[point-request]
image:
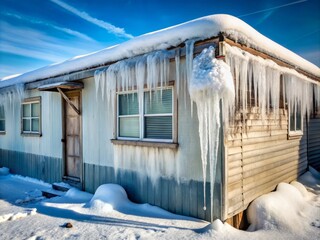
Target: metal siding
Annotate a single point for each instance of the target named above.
(314, 143)
(259, 157)
(26, 164)
(182, 198)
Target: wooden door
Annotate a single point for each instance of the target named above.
(72, 137)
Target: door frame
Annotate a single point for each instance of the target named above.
(65, 177)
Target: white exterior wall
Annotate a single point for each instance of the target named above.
(49, 144)
(98, 126)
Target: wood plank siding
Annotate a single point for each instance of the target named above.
(314, 143)
(259, 156)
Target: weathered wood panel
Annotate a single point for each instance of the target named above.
(48, 169)
(259, 156)
(314, 143)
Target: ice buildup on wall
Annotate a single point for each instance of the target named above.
(263, 77)
(211, 82)
(156, 162)
(14, 94)
(147, 71)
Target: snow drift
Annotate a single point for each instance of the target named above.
(291, 208)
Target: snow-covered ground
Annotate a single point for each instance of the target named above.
(291, 212)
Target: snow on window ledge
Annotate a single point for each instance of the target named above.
(295, 135)
(145, 143)
(31, 134)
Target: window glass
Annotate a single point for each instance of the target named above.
(128, 104)
(1, 112)
(26, 125)
(26, 110)
(155, 117)
(2, 119)
(158, 102)
(292, 121)
(129, 127)
(2, 126)
(35, 125)
(31, 116)
(298, 121)
(35, 109)
(295, 119)
(158, 127)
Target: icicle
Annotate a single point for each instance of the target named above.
(102, 85)
(298, 94)
(177, 61)
(264, 77)
(189, 57)
(97, 77)
(211, 82)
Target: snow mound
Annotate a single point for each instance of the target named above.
(282, 209)
(4, 171)
(109, 197)
(217, 225)
(112, 197)
(76, 194)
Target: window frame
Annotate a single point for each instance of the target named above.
(2, 132)
(30, 101)
(294, 133)
(142, 116)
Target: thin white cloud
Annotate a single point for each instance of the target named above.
(105, 25)
(36, 21)
(273, 8)
(31, 43)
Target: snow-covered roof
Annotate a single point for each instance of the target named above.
(200, 29)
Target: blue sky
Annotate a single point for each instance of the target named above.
(36, 33)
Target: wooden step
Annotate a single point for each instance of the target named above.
(61, 187)
(72, 181)
(50, 193)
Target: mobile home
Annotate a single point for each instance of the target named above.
(199, 119)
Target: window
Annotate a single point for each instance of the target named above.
(295, 120)
(31, 116)
(151, 120)
(2, 120)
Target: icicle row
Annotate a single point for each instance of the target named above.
(263, 77)
(151, 70)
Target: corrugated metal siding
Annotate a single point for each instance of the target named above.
(182, 198)
(259, 157)
(41, 167)
(314, 143)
